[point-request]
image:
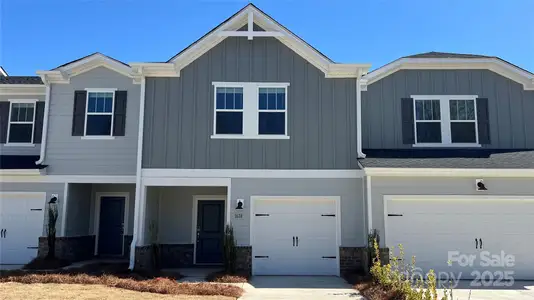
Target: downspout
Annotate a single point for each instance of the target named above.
(359, 115)
(138, 182)
(45, 126)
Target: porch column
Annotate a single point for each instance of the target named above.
(64, 203)
(228, 203)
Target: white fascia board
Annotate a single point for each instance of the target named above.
(246, 173)
(331, 70)
(447, 172)
(155, 69)
(493, 64)
(22, 89)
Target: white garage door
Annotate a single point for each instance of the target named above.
(21, 224)
(295, 236)
(435, 230)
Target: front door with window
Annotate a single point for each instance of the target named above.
(210, 232)
(111, 229)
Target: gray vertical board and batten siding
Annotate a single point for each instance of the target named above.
(34, 149)
(321, 113)
(72, 155)
(510, 107)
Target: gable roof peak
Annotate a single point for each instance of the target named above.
(436, 54)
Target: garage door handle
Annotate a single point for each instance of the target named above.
(261, 256)
(480, 241)
(2, 233)
(476, 243)
(293, 241)
(297, 241)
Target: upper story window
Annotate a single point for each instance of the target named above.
(445, 120)
(250, 110)
(99, 113)
(21, 122)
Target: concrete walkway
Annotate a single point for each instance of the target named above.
(298, 287)
(521, 290)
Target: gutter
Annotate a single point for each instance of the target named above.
(359, 115)
(138, 180)
(45, 126)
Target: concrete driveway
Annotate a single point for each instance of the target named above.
(521, 290)
(299, 287)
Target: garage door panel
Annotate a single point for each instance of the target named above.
(22, 217)
(275, 249)
(430, 229)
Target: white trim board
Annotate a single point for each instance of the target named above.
(492, 64)
(96, 227)
(249, 173)
(337, 200)
(448, 172)
(31, 176)
(194, 221)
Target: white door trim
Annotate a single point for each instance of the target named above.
(337, 200)
(98, 200)
(196, 199)
(451, 198)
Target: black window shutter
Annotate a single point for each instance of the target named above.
(38, 126)
(4, 121)
(483, 121)
(119, 114)
(408, 135)
(78, 115)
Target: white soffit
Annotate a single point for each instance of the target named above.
(248, 16)
(493, 64)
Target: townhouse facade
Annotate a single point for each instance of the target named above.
(253, 127)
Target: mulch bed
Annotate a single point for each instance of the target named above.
(370, 289)
(43, 263)
(223, 277)
(118, 276)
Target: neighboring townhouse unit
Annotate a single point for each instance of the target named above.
(253, 127)
(449, 140)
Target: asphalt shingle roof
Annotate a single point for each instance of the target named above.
(449, 158)
(434, 54)
(20, 80)
(20, 162)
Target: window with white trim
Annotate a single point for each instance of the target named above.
(21, 122)
(99, 113)
(250, 110)
(445, 120)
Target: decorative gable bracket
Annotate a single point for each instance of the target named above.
(250, 33)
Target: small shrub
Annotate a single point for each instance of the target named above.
(230, 251)
(398, 278)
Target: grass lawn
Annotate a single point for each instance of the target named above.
(38, 291)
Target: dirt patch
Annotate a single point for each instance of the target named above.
(222, 277)
(370, 289)
(19, 291)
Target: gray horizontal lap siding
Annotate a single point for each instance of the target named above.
(382, 186)
(26, 150)
(71, 155)
(510, 107)
(321, 113)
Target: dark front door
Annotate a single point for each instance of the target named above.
(111, 229)
(210, 231)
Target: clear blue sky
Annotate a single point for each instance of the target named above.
(42, 34)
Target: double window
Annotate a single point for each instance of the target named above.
(21, 122)
(250, 110)
(99, 113)
(447, 120)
